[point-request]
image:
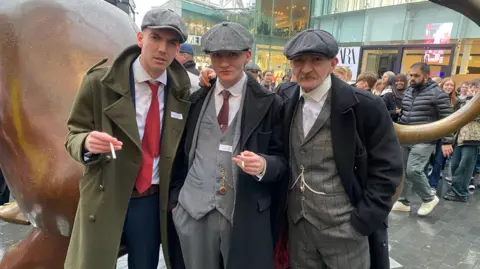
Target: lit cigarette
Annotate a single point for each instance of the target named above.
(243, 163)
(113, 151)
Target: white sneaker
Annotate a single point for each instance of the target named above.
(433, 191)
(427, 207)
(399, 206)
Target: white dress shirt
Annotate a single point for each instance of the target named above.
(235, 99)
(143, 99)
(234, 103)
(314, 101)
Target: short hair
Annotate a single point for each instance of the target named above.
(425, 68)
(266, 71)
(349, 73)
(341, 70)
(369, 77)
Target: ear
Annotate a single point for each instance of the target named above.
(140, 36)
(248, 55)
(334, 63)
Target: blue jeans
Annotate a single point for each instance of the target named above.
(477, 167)
(141, 232)
(437, 163)
(463, 163)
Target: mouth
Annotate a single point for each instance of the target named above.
(160, 60)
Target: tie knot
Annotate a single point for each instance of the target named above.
(226, 94)
(153, 87)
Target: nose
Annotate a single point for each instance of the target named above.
(307, 67)
(162, 46)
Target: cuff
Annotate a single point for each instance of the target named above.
(260, 176)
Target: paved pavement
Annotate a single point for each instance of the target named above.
(448, 239)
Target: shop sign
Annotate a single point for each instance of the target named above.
(349, 57)
(194, 40)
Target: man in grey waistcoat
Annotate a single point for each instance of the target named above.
(345, 162)
(232, 157)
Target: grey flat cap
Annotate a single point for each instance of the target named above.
(227, 36)
(159, 18)
(311, 41)
(253, 67)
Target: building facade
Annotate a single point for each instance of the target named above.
(374, 35)
(393, 34)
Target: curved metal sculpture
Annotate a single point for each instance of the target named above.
(46, 47)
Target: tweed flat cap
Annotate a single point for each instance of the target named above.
(160, 18)
(227, 36)
(311, 41)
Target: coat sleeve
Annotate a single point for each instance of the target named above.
(179, 173)
(384, 169)
(81, 122)
(389, 100)
(444, 109)
(275, 159)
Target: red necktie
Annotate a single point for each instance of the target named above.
(223, 114)
(150, 142)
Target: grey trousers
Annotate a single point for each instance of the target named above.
(205, 243)
(339, 247)
(415, 158)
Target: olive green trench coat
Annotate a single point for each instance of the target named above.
(104, 103)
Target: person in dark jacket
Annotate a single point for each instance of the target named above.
(393, 99)
(231, 158)
(424, 102)
(185, 57)
(337, 126)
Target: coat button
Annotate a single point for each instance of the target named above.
(303, 151)
(101, 187)
(355, 167)
(108, 158)
(91, 218)
(303, 198)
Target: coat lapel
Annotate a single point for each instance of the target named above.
(121, 110)
(343, 130)
(256, 104)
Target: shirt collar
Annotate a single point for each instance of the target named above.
(141, 75)
(319, 92)
(235, 90)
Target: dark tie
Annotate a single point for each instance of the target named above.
(150, 142)
(223, 114)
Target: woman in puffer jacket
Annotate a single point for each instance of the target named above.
(466, 150)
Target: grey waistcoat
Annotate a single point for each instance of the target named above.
(315, 155)
(199, 194)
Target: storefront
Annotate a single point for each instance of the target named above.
(393, 37)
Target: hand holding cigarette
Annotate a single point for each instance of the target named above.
(250, 163)
(99, 142)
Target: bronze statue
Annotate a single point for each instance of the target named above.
(46, 47)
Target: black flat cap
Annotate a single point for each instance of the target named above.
(160, 18)
(227, 36)
(311, 41)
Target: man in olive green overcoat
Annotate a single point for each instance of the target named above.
(123, 196)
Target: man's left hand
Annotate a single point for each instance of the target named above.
(250, 163)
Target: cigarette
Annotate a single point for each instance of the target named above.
(243, 163)
(113, 151)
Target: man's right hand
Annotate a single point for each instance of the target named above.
(98, 142)
(205, 76)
